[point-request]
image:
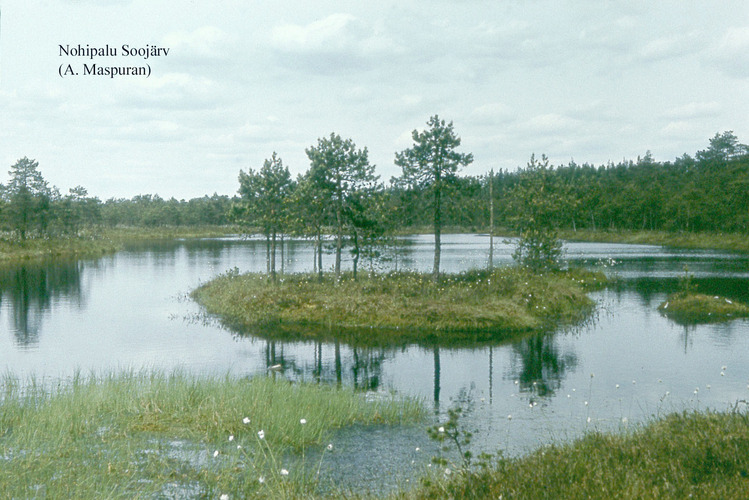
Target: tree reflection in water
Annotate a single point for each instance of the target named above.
(364, 365)
(29, 291)
(538, 365)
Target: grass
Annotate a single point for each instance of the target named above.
(689, 455)
(97, 242)
(152, 435)
(691, 307)
(718, 241)
(37, 249)
(398, 307)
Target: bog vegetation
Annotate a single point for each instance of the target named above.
(688, 455)
(402, 307)
(157, 435)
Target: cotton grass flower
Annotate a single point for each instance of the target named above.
(215, 454)
(231, 438)
(224, 497)
(303, 421)
(246, 420)
(261, 434)
(284, 472)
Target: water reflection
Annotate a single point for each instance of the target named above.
(28, 291)
(539, 366)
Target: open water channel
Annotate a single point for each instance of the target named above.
(625, 366)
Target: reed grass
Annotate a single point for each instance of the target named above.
(155, 435)
(403, 306)
(688, 455)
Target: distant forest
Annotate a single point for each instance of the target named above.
(707, 192)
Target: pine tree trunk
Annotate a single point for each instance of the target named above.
(437, 230)
(319, 254)
(338, 244)
(491, 219)
(267, 254)
(356, 253)
(273, 256)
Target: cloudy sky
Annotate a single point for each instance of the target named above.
(594, 81)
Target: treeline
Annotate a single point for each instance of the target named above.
(31, 208)
(151, 211)
(707, 192)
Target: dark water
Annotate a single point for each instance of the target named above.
(130, 311)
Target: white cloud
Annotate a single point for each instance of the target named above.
(404, 140)
(550, 124)
(332, 33)
(492, 113)
(207, 42)
(670, 47)
(152, 131)
(173, 91)
(678, 128)
(337, 42)
(694, 110)
(731, 54)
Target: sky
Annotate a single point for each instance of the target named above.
(590, 81)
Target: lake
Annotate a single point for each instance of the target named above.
(626, 365)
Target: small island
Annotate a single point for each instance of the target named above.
(398, 307)
(690, 308)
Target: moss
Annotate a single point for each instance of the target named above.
(689, 308)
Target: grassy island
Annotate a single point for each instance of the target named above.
(690, 455)
(403, 306)
(690, 307)
(732, 242)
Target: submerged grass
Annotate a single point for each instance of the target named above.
(690, 308)
(689, 455)
(151, 435)
(403, 306)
